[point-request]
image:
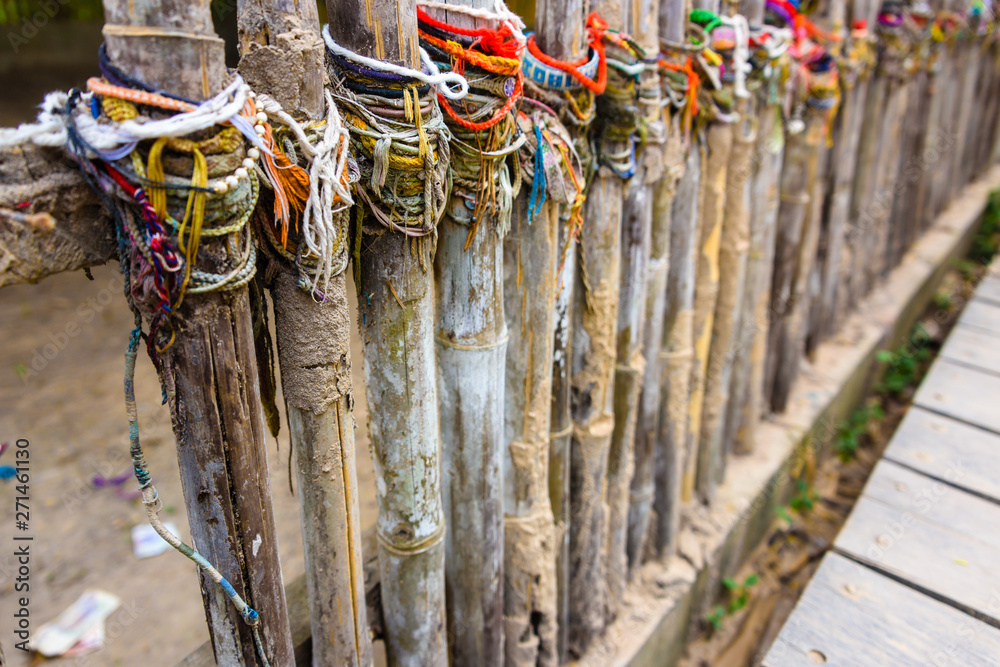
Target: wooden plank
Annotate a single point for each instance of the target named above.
(972, 347)
(989, 289)
(981, 315)
(961, 392)
(934, 536)
(946, 449)
(852, 615)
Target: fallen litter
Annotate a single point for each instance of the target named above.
(146, 543)
(79, 629)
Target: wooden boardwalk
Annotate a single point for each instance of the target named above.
(914, 575)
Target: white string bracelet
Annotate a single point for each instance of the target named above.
(443, 82)
(741, 52)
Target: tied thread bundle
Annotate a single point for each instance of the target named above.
(619, 117)
(399, 137)
(484, 130)
(317, 204)
(154, 158)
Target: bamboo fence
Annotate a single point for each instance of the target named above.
(588, 261)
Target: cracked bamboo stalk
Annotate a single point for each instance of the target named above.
(674, 464)
(314, 351)
(551, 17)
(211, 370)
(671, 24)
(637, 221)
(764, 205)
(396, 303)
(471, 336)
(843, 162)
(530, 611)
(595, 313)
(733, 255)
(746, 327)
(795, 249)
(718, 144)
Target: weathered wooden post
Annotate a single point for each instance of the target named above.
(855, 69)
(313, 336)
(733, 246)
(764, 204)
(672, 21)
(396, 301)
(815, 96)
(471, 333)
(595, 313)
(637, 222)
(214, 401)
(747, 328)
(210, 372)
(532, 257)
(718, 144)
(675, 458)
(575, 110)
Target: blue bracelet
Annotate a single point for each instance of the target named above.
(545, 75)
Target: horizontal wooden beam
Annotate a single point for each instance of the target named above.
(50, 219)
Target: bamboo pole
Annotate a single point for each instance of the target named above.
(672, 22)
(595, 313)
(843, 163)
(795, 248)
(471, 336)
(396, 303)
(637, 221)
(765, 203)
(649, 428)
(530, 613)
(551, 17)
(210, 372)
(674, 459)
(747, 328)
(718, 145)
(314, 352)
(733, 256)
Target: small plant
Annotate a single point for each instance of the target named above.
(849, 432)
(942, 300)
(805, 497)
(904, 364)
(739, 596)
(739, 592)
(715, 616)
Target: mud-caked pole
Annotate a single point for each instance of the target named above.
(733, 247)
(575, 107)
(672, 21)
(718, 142)
(547, 208)
(394, 250)
(207, 361)
(210, 371)
(313, 336)
(595, 314)
(637, 224)
(471, 332)
(746, 387)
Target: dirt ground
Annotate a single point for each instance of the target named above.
(61, 369)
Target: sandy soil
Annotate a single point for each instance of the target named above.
(61, 366)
